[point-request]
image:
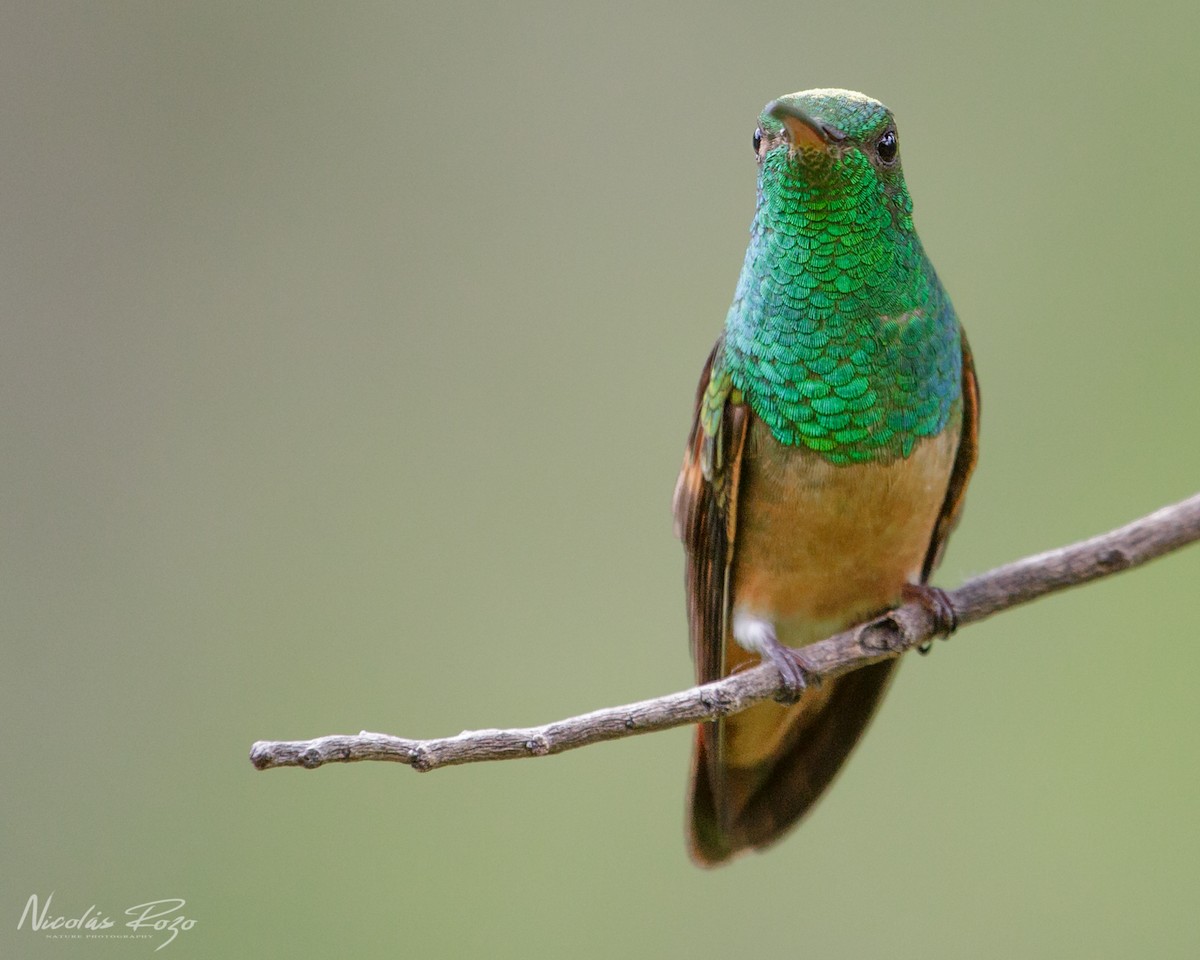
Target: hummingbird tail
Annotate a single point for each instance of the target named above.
(740, 806)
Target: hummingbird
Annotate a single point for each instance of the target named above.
(834, 433)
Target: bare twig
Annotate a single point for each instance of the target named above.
(889, 636)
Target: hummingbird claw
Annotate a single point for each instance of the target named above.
(758, 635)
(797, 673)
(939, 606)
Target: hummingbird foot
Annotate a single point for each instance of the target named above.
(938, 605)
(798, 674)
(759, 637)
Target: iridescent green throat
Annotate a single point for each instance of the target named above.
(840, 336)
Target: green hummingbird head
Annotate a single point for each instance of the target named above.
(829, 148)
(839, 336)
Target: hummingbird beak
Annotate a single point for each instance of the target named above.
(804, 130)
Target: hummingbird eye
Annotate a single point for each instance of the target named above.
(886, 146)
(757, 140)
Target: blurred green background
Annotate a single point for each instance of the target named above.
(348, 353)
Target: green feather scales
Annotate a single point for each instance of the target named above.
(840, 336)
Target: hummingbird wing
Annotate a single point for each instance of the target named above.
(964, 463)
(705, 508)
